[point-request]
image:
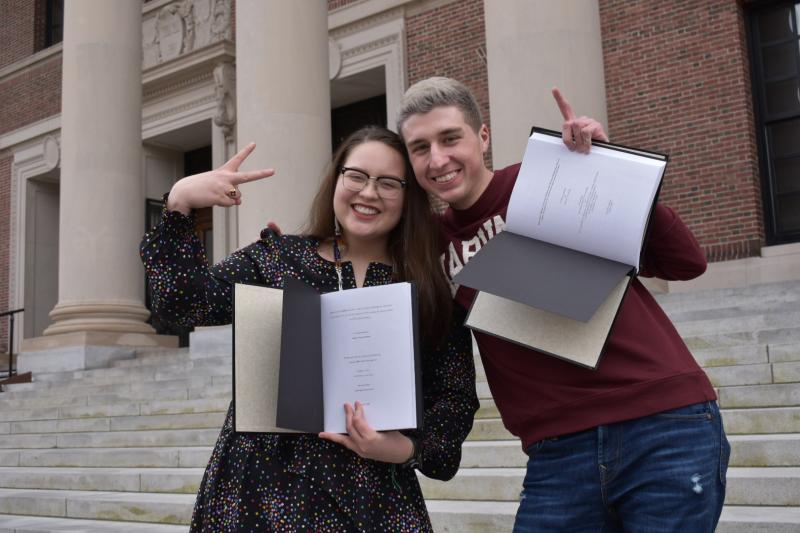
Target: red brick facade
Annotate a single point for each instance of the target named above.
(18, 32)
(32, 95)
(678, 81)
(451, 41)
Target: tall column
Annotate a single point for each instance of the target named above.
(100, 278)
(283, 103)
(532, 45)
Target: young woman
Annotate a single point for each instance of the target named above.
(370, 224)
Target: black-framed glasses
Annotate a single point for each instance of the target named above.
(355, 180)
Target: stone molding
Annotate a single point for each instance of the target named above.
(37, 158)
(225, 97)
(376, 42)
(180, 27)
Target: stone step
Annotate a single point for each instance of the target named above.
(738, 421)
(450, 516)
(179, 355)
(112, 439)
(119, 506)
(744, 354)
(786, 372)
(726, 376)
(503, 484)
(747, 519)
(765, 450)
(790, 335)
(121, 423)
(482, 429)
(159, 457)
(118, 409)
(493, 454)
(774, 395)
(743, 297)
(136, 389)
(758, 421)
(745, 486)
(763, 486)
(775, 319)
(754, 308)
(37, 524)
(746, 450)
(781, 353)
(114, 376)
(754, 374)
(168, 480)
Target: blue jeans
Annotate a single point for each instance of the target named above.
(660, 473)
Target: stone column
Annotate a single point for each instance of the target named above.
(101, 286)
(532, 45)
(283, 103)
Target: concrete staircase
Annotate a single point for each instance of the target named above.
(123, 448)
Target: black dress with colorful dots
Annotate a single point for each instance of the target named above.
(301, 483)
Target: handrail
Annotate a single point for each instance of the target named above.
(10, 315)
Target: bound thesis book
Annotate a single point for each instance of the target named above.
(555, 278)
(298, 356)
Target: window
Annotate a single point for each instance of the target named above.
(49, 16)
(775, 53)
(53, 22)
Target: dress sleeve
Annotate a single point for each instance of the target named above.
(671, 251)
(450, 402)
(185, 290)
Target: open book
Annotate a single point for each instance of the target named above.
(298, 356)
(555, 278)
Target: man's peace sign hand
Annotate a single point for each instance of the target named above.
(577, 132)
(216, 187)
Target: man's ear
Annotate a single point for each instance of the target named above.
(483, 133)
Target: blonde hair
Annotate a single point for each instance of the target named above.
(439, 91)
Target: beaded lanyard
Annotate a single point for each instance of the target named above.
(338, 240)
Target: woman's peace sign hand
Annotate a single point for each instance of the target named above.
(215, 187)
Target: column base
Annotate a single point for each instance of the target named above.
(99, 316)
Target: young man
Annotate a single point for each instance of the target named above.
(638, 443)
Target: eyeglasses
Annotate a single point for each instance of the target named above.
(356, 180)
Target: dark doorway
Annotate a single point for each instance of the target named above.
(348, 118)
(194, 162)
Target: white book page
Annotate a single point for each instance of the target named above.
(596, 203)
(368, 355)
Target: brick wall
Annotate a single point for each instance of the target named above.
(450, 41)
(17, 30)
(678, 81)
(5, 236)
(33, 95)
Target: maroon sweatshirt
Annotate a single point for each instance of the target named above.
(646, 367)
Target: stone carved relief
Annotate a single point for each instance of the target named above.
(225, 91)
(183, 26)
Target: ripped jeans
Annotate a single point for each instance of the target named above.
(661, 473)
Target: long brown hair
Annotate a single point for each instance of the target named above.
(413, 243)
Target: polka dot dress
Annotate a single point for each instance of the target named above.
(300, 483)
